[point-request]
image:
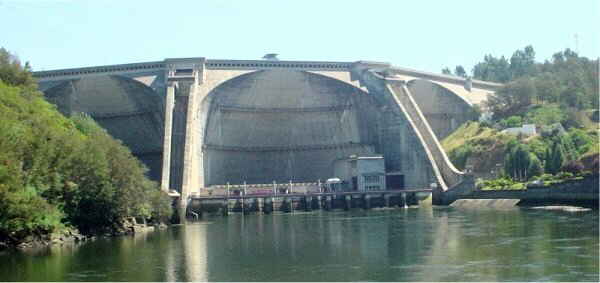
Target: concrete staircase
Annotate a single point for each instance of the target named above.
(377, 83)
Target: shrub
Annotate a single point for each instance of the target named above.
(574, 167)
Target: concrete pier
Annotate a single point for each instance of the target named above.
(225, 207)
(316, 203)
(403, 200)
(348, 202)
(328, 201)
(386, 200)
(306, 201)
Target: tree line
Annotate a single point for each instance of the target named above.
(560, 96)
(58, 172)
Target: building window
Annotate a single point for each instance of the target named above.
(372, 188)
(372, 179)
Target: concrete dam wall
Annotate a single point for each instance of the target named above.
(285, 125)
(197, 123)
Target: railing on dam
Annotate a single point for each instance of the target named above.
(272, 194)
(285, 148)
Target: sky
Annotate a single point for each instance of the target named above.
(422, 35)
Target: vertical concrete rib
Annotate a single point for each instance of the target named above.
(188, 183)
(166, 164)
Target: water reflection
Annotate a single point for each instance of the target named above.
(415, 244)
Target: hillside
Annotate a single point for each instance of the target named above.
(61, 173)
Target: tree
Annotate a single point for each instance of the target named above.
(492, 69)
(519, 161)
(446, 71)
(522, 62)
(574, 167)
(556, 159)
(512, 98)
(512, 122)
(11, 71)
(460, 71)
(546, 115)
(535, 166)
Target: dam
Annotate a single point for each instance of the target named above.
(200, 124)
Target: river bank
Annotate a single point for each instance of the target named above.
(580, 193)
(72, 235)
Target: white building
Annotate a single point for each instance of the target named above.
(527, 129)
(363, 173)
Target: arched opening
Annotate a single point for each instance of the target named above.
(282, 125)
(444, 110)
(129, 111)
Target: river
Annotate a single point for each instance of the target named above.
(412, 244)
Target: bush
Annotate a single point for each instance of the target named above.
(545, 115)
(512, 122)
(574, 167)
(460, 155)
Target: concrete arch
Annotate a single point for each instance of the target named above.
(303, 120)
(444, 109)
(216, 78)
(129, 110)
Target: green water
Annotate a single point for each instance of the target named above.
(414, 244)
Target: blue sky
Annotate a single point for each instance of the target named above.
(423, 35)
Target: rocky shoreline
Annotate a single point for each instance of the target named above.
(72, 235)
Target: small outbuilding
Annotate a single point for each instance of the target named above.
(361, 173)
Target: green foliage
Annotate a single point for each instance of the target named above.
(460, 71)
(520, 163)
(460, 155)
(568, 81)
(582, 141)
(55, 170)
(11, 71)
(502, 183)
(546, 115)
(492, 69)
(512, 122)
(513, 98)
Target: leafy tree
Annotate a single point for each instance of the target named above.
(56, 171)
(446, 71)
(519, 161)
(581, 141)
(522, 62)
(574, 167)
(12, 72)
(513, 98)
(512, 122)
(546, 115)
(460, 71)
(555, 159)
(492, 69)
(535, 166)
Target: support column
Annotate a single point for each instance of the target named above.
(258, 203)
(308, 203)
(348, 201)
(188, 185)
(266, 205)
(225, 207)
(328, 203)
(367, 200)
(166, 162)
(403, 200)
(386, 200)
